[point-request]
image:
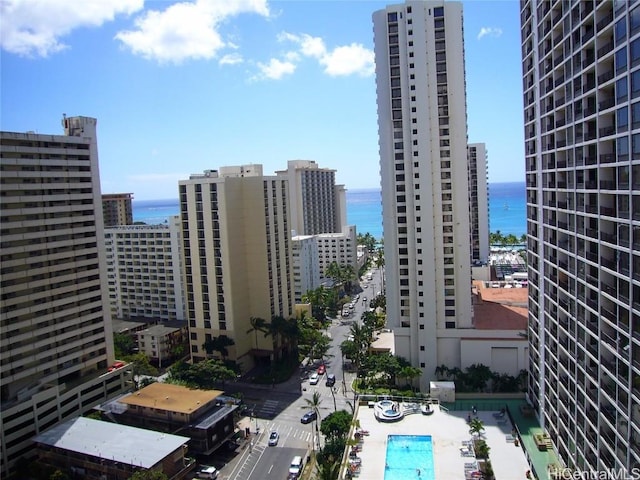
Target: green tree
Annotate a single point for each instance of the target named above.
(409, 373)
(334, 272)
(149, 475)
(277, 330)
(318, 299)
(336, 425)
(367, 240)
(218, 344)
(141, 366)
(202, 375)
(442, 372)
(258, 325)
(59, 475)
(476, 427)
(123, 344)
(314, 403)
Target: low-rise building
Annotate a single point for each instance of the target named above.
(206, 416)
(163, 343)
(93, 449)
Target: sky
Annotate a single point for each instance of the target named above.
(179, 87)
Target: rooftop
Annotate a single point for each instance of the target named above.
(160, 330)
(500, 308)
(112, 441)
(172, 398)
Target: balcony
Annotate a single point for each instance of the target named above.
(606, 48)
(608, 103)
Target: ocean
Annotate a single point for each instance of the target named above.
(507, 209)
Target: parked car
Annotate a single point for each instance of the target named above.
(273, 439)
(207, 471)
(314, 379)
(321, 369)
(309, 417)
(296, 466)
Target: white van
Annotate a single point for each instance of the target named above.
(296, 465)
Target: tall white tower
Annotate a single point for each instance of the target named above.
(422, 125)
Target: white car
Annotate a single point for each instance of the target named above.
(207, 471)
(314, 378)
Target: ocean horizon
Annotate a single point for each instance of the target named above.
(507, 209)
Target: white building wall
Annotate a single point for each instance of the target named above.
(424, 175)
(306, 267)
(338, 247)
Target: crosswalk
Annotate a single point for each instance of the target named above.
(268, 409)
(290, 436)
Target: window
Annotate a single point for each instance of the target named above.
(621, 89)
(636, 146)
(622, 148)
(621, 31)
(622, 119)
(634, 20)
(621, 59)
(392, 17)
(449, 324)
(635, 84)
(635, 52)
(635, 115)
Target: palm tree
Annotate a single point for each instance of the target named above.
(318, 300)
(276, 330)
(258, 325)
(219, 344)
(314, 404)
(476, 427)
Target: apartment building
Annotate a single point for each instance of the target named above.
(478, 202)
(117, 209)
(306, 267)
(144, 271)
(55, 331)
(422, 127)
(237, 253)
(340, 248)
(317, 204)
(581, 82)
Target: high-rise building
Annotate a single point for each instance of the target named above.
(144, 271)
(478, 202)
(422, 127)
(581, 80)
(55, 329)
(340, 248)
(318, 205)
(117, 209)
(306, 267)
(237, 252)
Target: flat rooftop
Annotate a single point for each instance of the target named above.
(500, 308)
(112, 441)
(448, 430)
(172, 398)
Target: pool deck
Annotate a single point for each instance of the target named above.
(448, 429)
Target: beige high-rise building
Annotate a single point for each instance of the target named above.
(318, 205)
(117, 209)
(55, 328)
(581, 85)
(237, 251)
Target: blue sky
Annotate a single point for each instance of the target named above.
(181, 87)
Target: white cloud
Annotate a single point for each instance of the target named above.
(35, 27)
(489, 32)
(341, 61)
(275, 69)
(186, 30)
(231, 59)
(348, 60)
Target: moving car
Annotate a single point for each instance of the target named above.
(273, 439)
(321, 369)
(296, 466)
(309, 417)
(207, 471)
(314, 379)
(331, 379)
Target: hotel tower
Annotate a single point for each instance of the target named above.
(422, 127)
(581, 80)
(55, 327)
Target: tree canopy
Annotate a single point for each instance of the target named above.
(336, 425)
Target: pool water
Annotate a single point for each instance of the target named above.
(409, 457)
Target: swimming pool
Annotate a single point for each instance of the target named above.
(409, 457)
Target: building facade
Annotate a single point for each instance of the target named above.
(144, 271)
(478, 202)
(237, 251)
(55, 332)
(581, 81)
(117, 209)
(318, 205)
(422, 127)
(306, 268)
(340, 248)
(163, 344)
